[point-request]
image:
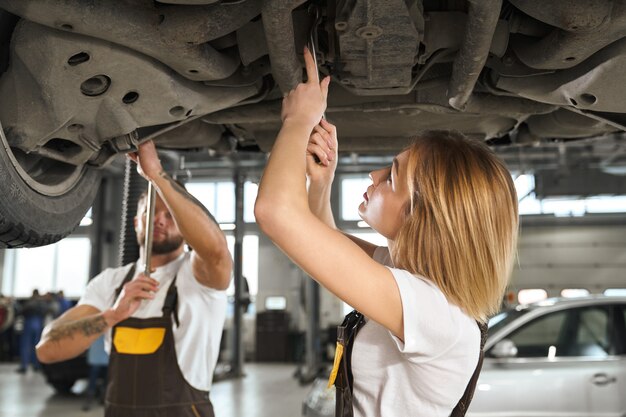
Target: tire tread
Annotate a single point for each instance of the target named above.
(13, 236)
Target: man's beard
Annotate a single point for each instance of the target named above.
(165, 246)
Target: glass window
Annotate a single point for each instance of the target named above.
(61, 266)
(581, 332)
(592, 333)
(621, 343)
(217, 197)
(531, 295)
(609, 204)
(540, 337)
(352, 189)
(250, 262)
(34, 269)
(87, 220)
(615, 292)
(574, 292)
(524, 185)
(561, 206)
(528, 204)
(250, 191)
(72, 266)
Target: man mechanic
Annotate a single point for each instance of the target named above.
(166, 329)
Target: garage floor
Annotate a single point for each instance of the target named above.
(266, 391)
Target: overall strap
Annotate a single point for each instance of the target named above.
(344, 383)
(171, 299)
(170, 305)
(341, 375)
(466, 399)
(347, 331)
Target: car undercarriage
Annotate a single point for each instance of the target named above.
(84, 81)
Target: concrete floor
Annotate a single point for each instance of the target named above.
(266, 391)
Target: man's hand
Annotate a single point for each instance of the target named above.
(129, 300)
(323, 145)
(147, 159)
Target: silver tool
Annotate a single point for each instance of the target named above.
(147, 247)
(313, 50)
(312, 38)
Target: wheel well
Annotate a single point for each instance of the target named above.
(7, 24)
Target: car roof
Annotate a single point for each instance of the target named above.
(576, 301)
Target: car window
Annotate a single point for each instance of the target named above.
(539, 337)
(593, 332)
(580, 332)
(620, 330)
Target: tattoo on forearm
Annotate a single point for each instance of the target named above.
(86, 327)
(186, 194)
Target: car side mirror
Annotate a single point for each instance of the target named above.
(505, 348)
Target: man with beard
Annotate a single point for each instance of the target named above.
(163, 331)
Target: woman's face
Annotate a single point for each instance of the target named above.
(383, 206)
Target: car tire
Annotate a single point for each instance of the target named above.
(42, 200)
(29, 219)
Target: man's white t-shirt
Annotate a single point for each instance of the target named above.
(201, 312)
(425, 375)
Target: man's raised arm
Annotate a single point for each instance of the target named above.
(211, 260)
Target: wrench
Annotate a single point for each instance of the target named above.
(313, 50)
(147, 247)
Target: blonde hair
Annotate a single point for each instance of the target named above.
(461, 223)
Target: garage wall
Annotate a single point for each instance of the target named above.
(278, 276)
(553, 258)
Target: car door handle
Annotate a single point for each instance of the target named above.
(603, 379)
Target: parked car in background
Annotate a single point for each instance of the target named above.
(557, 357)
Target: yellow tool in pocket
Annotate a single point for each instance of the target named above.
(338, 356)
(138, 341)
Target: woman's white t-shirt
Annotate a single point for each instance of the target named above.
(201, 313)
(425, 375)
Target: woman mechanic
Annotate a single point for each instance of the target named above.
(448, 208)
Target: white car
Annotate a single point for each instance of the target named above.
(558, 357)
(555, 358)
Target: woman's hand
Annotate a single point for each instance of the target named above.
(323, 146)
(307, 102)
